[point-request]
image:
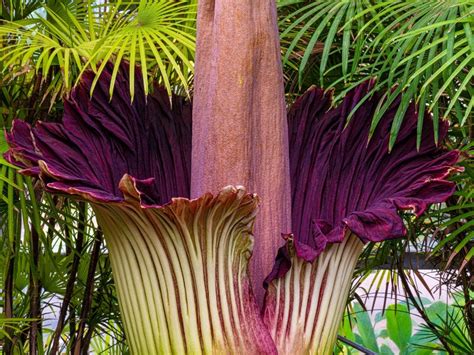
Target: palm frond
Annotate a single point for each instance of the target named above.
(419, 49)
(157, 35)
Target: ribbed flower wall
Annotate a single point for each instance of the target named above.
(303, 309)
(181, 272)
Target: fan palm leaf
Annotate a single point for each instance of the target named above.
(423, 50)
(158, 35)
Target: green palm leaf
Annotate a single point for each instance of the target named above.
(425, 49)
(157, 35)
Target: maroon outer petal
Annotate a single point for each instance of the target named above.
(341, 180)
(100, 140)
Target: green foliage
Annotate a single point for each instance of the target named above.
(458, 242)
(423, 50)
(393, 327)
(66, 39)
(450, 320)
(399, 327)
(366, 335)
(18, 9)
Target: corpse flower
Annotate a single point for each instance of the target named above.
(181, 265)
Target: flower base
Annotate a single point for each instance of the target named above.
(304, 309)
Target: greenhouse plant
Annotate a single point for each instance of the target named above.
(234, 217)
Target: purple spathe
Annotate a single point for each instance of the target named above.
(343, 180)
(101, 139)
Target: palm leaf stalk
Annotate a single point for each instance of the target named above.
(181, 265)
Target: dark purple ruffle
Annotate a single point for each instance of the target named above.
(100, 140)
(342, 181)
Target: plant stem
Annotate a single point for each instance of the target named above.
(362, 349)
(71, 281)
(81, 344)
(8, 299)
(34, 289)
(406, 286)
(13, 241)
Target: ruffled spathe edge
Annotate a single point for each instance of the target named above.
(101, 139)
(309, 118)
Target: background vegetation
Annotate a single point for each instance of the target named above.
(57, 292)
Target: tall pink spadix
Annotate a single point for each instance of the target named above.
(240, 134)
